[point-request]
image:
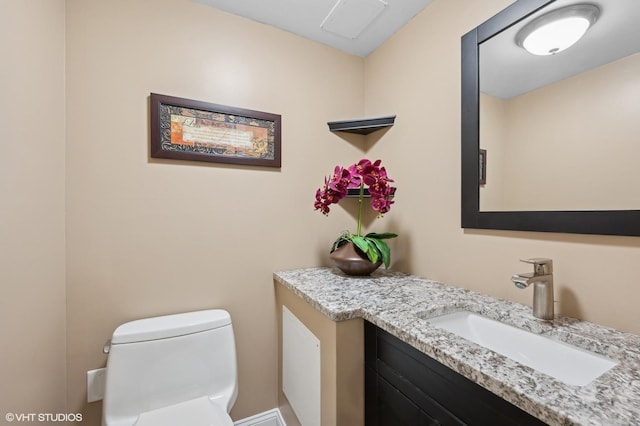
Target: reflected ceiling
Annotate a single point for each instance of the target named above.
(507, 70)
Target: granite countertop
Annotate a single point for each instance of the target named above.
(399, 304)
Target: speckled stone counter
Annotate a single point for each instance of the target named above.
(399, 304)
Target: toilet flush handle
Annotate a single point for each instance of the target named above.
(107, 347)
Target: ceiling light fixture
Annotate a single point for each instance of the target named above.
(557, 30)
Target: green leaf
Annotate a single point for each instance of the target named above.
(361, 243)
(372, 253)
(367, 247)
(344, 238)
(383, 236)
(384, 250)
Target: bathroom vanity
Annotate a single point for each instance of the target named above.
(403, 386)
(422, 372)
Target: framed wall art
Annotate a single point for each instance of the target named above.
(184, 129)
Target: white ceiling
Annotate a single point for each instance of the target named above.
(360, 26)
(353, 26)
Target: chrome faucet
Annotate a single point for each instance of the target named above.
(542, 280)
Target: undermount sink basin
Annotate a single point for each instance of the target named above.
(569, 364)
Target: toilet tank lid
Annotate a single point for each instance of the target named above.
(170, 326)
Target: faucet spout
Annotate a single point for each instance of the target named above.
(542, 280)
(522, 281)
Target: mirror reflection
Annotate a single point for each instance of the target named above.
(561, 131)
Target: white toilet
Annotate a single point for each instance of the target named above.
(172, 370)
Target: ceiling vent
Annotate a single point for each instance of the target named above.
(349, 18)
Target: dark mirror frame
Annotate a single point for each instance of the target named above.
(601, 222)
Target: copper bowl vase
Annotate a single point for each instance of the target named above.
(352, 261)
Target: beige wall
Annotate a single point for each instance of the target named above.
(148, 237)
(493, 139)
(32, 251)
(570, 145)
(596, 276)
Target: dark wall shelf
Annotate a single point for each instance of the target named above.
(355, 192)
(362, 126)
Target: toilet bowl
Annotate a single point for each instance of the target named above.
(196, 412)
(172, 370)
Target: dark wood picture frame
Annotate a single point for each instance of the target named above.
(184, 129)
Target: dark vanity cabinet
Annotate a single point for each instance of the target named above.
(403, 386)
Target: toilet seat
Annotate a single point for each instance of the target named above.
(195, 412)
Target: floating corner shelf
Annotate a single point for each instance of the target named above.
(362, 126)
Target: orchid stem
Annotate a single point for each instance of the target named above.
(358, 231)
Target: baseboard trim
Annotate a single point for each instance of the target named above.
(266, 418)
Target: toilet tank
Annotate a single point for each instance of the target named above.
(161, 361)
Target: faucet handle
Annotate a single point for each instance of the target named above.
(541, 266)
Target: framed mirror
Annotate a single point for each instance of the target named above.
(559, 132)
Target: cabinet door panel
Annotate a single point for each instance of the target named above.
(433, 388)
(398, 410)
(425, 402)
